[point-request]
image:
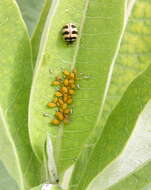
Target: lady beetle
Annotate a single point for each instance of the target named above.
(70, 33)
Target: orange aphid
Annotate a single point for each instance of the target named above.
(55, 122)
(64, 90)
(55, 100)
(67, 111)
(60, 101)
(71, 81)
(64, 106)
(65, 98)
(66, 82)
(51, 105)
(59, 115)
(69, 101)
(71, 91)
(65, 72)
(55, 83)
(58, 94)
(72, 75)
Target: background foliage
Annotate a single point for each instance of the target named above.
(108, 138)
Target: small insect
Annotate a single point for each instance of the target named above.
(55, 83)
(51, 105)
(55, 122)
(70, 33)
(58, 94)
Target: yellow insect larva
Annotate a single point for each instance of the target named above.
(58, 94)
(55, 122)
(59, 115)
(51, 105)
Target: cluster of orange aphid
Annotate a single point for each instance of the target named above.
(63, 97)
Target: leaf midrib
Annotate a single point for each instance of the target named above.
(80, 33)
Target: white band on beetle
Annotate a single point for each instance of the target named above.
(46, 187)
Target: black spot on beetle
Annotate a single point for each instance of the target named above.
(74, 32)
(66, 32)
(66, 26)
(73, 26)
(73, 38)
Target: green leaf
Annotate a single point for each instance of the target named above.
(134, 55)
(92, 54)
(36, 36)
(15, 79)
(31, 10)
(131, 170)
(6, 180)
(117, 129)
(137, 180)
(133, 58)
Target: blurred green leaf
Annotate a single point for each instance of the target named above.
(15, 78)
(31, 10)
(6, 181)
(37, 34)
